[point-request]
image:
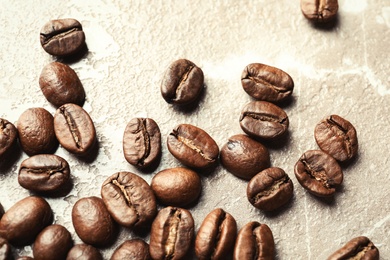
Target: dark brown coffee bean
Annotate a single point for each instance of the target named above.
(5, 250)
(319, 11)
(319, 173)
(54, 242)
(337, 137)
(24, 220)
(36, 131)
(171, 234)
(92, 222)
(142, 142)
(1, 211)
(264, 82)
(244, 157)
(182, 83)
(44, 173)
(74, 129)
(8, 136)
(136, 249)
(216, 236)
(129, 199)
(177, 187)
(358, 248)
(263, 120)
(84, 252)
(192, 146)
(61, 85)
(270, 189)
(254, 241)
(62, 37)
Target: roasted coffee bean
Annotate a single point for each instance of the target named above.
(337, 137)
(171, 234)
(254, 241)
(1, 211)
(319, 11)
(270, 189)
(192, 146)
(132, 249)
(92, 222)
(8, 136)
(358, 248)
(24, 220)
(244, 157)
(74, 129)
(84, 252)
(177, 187)
(61, 85)
(264, 82)
(36, 131)
(54, 242)
(183, 83)
(62, 37)
(216, 236)
(45, 173)
(263, 120)
(319, 173)
(5, 250)
(142, 142)
(129, 199)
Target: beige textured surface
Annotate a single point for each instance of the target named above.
(343, 70)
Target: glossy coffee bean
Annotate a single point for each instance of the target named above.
(177, 187)
(5, 250)
(254, 241)
(244, 157)
(358, 248)
(45, 173)
(337, 137)
(319, 173)
(62, 37)
(263, 120)
(192, 146)
(183, 83)
(132, 249)
(264, 82)
(8, 136)
(1, 211)
(61, 85)
(24, 220)
(74, 129)
(84, 252)
(129, 199)
(320, 11)
(216, 236)
(171, 234)
(54, 242)
(142, 142)
(92, 222)
(36, 131)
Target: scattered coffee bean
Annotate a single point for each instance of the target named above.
(84, 252)
(132, 249)
(337, 137)
(62, 37)
(216, 236)
(1, 211)
(5, 250)
(319, 11)
(8, 136)
(192, 146)
(358, 248)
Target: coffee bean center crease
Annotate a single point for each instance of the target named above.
(72, 126)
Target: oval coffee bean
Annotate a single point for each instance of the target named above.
(183, 83)
(54, 242)
(263, 120)
(8, 136)
(24, 220)
(216, 236)
(142, 142)
(62, 37)
(132, 249)
(5, 250)
(358, 248)
(74, 129)
(254, 241)
(44, 173)
(171, 234)
(319, 11)
(319, 173)
(192, 146)
(129, 199)
(337, 137)
(244, 157)
(92, 222)
(264, 82)
(176, 186)
(84, 252)
(36, 131)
